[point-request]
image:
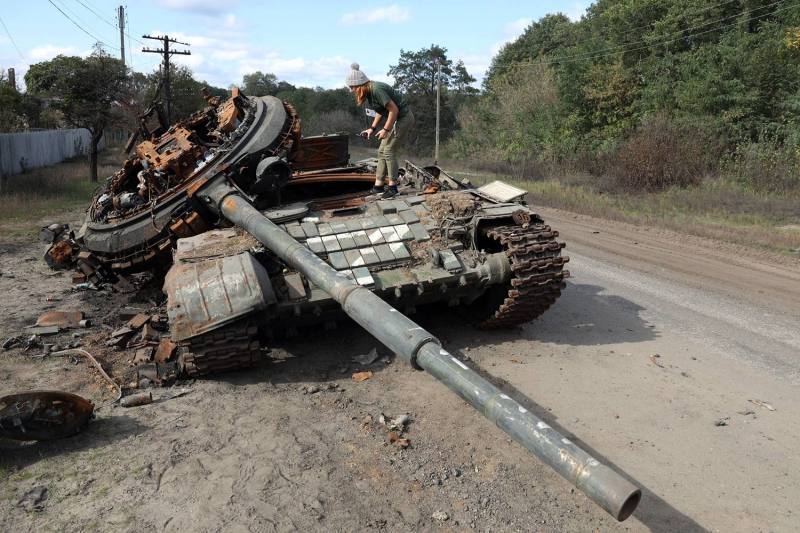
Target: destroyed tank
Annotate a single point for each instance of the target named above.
(268, 233)
(480, 250)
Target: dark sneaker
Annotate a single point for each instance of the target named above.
(377, 190)
(391, 191)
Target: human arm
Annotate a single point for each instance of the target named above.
(368, 132)
(393, 110)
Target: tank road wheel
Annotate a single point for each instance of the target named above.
(537, 276)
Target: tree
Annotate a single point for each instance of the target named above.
(260, 84)
(550, 35)
(85, 90)
(10, 106)
(187, 92)
(415, 72)
(415, 75)
(462, 80)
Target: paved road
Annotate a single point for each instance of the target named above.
(652, 356)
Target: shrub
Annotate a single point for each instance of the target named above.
(767, 166)
(659, 155)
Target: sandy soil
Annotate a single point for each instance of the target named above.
(657, 338)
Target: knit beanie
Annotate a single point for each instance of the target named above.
(355, 77)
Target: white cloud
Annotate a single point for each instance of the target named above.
(230, 55)
(193, 61)
(392, 13)
(511, 32)
(515, 28)
(49, 51)
(206, 7)
(222, 57)
(478, 64)
(576, 11)
(232, 22)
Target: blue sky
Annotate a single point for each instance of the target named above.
(306, 43)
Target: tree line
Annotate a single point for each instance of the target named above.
(98, 92)
(653, 92)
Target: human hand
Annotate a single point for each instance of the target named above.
(366, 133)
(382, 134)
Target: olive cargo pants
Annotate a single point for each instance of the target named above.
(387, 151)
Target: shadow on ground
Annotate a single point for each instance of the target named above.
(583, 316)
(104, 431)
(653, 511)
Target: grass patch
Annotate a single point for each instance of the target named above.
(715, 208)
(49, 192)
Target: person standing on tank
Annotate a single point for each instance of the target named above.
(386, 102)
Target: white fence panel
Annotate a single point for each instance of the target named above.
(31, 149)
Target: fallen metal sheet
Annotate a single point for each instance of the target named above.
(43, 415)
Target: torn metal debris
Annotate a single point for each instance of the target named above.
(311, 245)
(43, 415)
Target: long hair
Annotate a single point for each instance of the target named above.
(361, 92)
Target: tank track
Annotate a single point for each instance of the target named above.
(231, 347)
(537, 273)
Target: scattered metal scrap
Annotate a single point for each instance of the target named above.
(139, 398)
(97, 365)
(43, 415)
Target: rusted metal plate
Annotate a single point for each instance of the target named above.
(60, 318)
(325, 151)
(318, 177)
(214, 243)
(43, 415)
(205, 295)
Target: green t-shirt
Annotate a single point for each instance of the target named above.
(380, 95)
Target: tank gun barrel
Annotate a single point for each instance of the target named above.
(421, 349)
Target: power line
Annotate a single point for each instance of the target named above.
(96, 14)
(115, 26)
(166, 53)
(649, 25)
(12, 40)
(682, 31)
(81, 27)
(593, 55)
(71, 10)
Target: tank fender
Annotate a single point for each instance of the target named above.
(206, 295)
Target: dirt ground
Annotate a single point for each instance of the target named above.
(648, 361)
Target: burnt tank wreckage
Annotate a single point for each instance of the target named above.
(439, 240)
(265, 232)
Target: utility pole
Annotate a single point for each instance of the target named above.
(166, 52)
(121, 24)
(438, 101)
(12, 78)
